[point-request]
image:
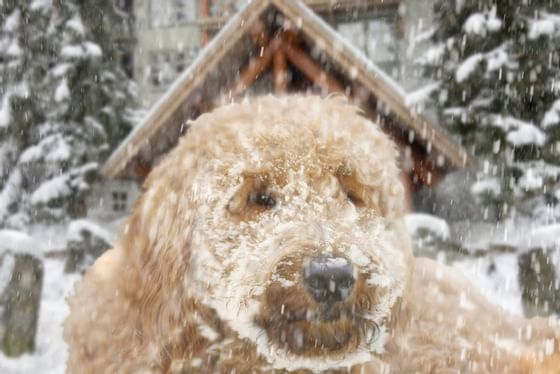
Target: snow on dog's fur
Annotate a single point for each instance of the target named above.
(210, 274)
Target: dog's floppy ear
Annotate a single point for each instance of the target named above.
(543, 354)
(550, 365)
(157, 247)
(547, 365)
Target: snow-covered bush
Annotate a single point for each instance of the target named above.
(86, 242)
(64, 103)
(498, 69)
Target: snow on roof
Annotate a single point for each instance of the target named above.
(387, 90)
(348, 57)
(341, 42)
(188, 74)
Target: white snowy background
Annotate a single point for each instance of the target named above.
(495, 273)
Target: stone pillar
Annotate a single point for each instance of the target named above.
(539, 283)
(21, 281)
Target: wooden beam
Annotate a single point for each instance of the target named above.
(211, 23)
(342, 6)
(142, 169)
(426, 172)
(204, 14)
(311, 69)
(259, 33)
(406, 180)
(280, 72)
(419, 167)
(254, 68)
(360, 98)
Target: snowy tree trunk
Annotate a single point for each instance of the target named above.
(21, 280)
(539, 283)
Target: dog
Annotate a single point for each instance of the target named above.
(271, 239)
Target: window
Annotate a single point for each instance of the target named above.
(184, 58)
(185, 10)
(160, 68)
(171, 12)
(166, 65)
(354, 32)
(375, 38)
(180, 61)
(119, 201)
(222, 8)
(382, 47)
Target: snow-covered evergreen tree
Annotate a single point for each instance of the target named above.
(498, 64)
(64, 102)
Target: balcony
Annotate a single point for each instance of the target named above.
(214, 14)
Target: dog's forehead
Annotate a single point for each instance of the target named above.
(289, 121)
(280, 153)
(277, 135)
(291, 134)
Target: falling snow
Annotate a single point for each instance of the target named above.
(71, 85)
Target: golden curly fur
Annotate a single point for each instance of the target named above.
(208, 274)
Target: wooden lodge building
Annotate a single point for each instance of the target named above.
(282, 47)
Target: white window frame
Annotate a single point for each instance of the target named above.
(167, 13)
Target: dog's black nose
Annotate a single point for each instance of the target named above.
(328, 278)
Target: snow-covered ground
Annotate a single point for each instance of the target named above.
(51, 351)
(496, 276)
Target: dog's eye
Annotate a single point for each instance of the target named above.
(355, 199)
(354, 191)
(264, 199)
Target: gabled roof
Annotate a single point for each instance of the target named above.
(220, 62)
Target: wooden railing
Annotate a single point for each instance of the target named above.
(344, 5)
(212, 19)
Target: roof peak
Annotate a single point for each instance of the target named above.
(221, 70)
